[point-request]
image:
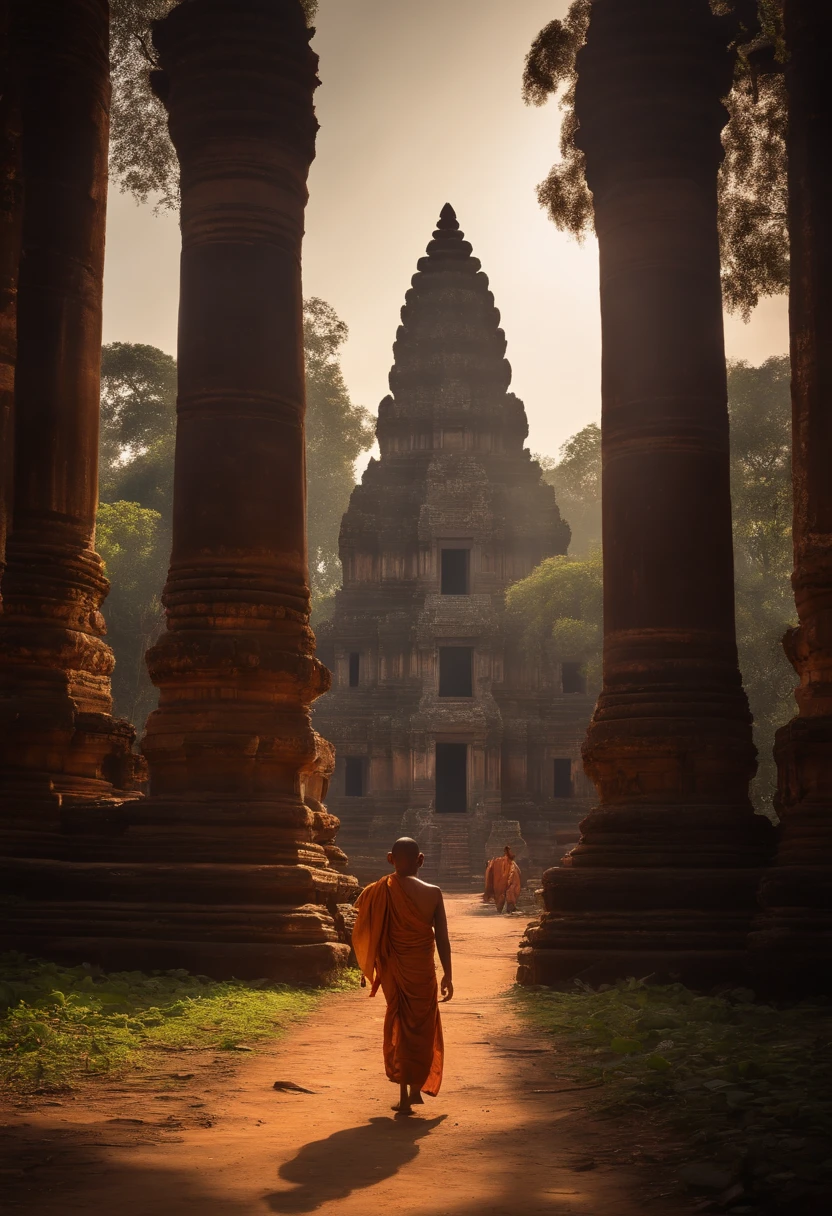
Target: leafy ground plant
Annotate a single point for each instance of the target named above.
(59, 1024)
(745, 1087)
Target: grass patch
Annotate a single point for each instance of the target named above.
(59, 1024)
(747, 1086)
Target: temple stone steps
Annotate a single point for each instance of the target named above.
(454, 856)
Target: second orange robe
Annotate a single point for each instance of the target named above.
(394, 946)
(502, 882)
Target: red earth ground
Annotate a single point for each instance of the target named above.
(511, 1133)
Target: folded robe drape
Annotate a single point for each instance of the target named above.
(502, 882)
(394, 946)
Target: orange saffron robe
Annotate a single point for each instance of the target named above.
(394, 946)
(502, 881)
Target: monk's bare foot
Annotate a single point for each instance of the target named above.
(416, 1098)
(402, 1108)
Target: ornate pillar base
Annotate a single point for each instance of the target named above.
(657, 887)
(228, 889)
(791, 942)
(606, 924)
(60, 746)
(220, 919)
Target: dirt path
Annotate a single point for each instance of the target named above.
(212, 1136)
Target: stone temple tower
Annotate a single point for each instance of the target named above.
(443, 729)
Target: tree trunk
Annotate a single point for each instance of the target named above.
(663, 879)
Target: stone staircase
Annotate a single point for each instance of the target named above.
(455, 854)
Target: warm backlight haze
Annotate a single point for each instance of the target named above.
(420, 105)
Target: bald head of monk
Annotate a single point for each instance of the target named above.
(508, 852)
(405, 856)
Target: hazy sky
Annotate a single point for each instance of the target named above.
(420, 105)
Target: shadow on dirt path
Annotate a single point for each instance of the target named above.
(349, 1160)
(209, 1136)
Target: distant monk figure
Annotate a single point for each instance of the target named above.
(503, 881)
(393, 938)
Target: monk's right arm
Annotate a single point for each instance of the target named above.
(443, 947)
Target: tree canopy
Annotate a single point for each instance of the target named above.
(752, 180)
(134, 544)
(337, 432)
(761, 494)
(557, 611)
(576, 478)
(138, 406)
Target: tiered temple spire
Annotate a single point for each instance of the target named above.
(443, 727)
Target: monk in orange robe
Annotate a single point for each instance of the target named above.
(400, 921)
(503, 881)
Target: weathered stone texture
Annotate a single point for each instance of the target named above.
(229, 867)
(663, 880)
(58, 740)
(453, 474)
(11, 218)
(792, 945)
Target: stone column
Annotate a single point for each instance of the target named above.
(58, 742)
(663, 879)
(231, 749)
(793, 944)
(11, 215)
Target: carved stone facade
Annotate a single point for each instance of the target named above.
(442, 727)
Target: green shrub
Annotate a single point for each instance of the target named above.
(60, 1023)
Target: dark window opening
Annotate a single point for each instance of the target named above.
(451, 778)
(563, 779)
(456, 671)
(354, 776)
(455, 565)
(355, 668)
(572, 678)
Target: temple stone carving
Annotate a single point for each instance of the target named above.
(792, 945)
(229, 866)
(664, 878)
(59, 743)
(442, 726)
(11, 216)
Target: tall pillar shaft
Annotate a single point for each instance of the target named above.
(664, 875)
(793, 944)
(236, 770)
(59, 741)
(11, 215)
(237, 596)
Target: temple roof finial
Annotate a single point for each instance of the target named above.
(447, 219)
(448, 240)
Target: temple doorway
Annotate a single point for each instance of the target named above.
(451, 778)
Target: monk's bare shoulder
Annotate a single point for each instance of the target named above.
(427, 896)
(430, 886)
